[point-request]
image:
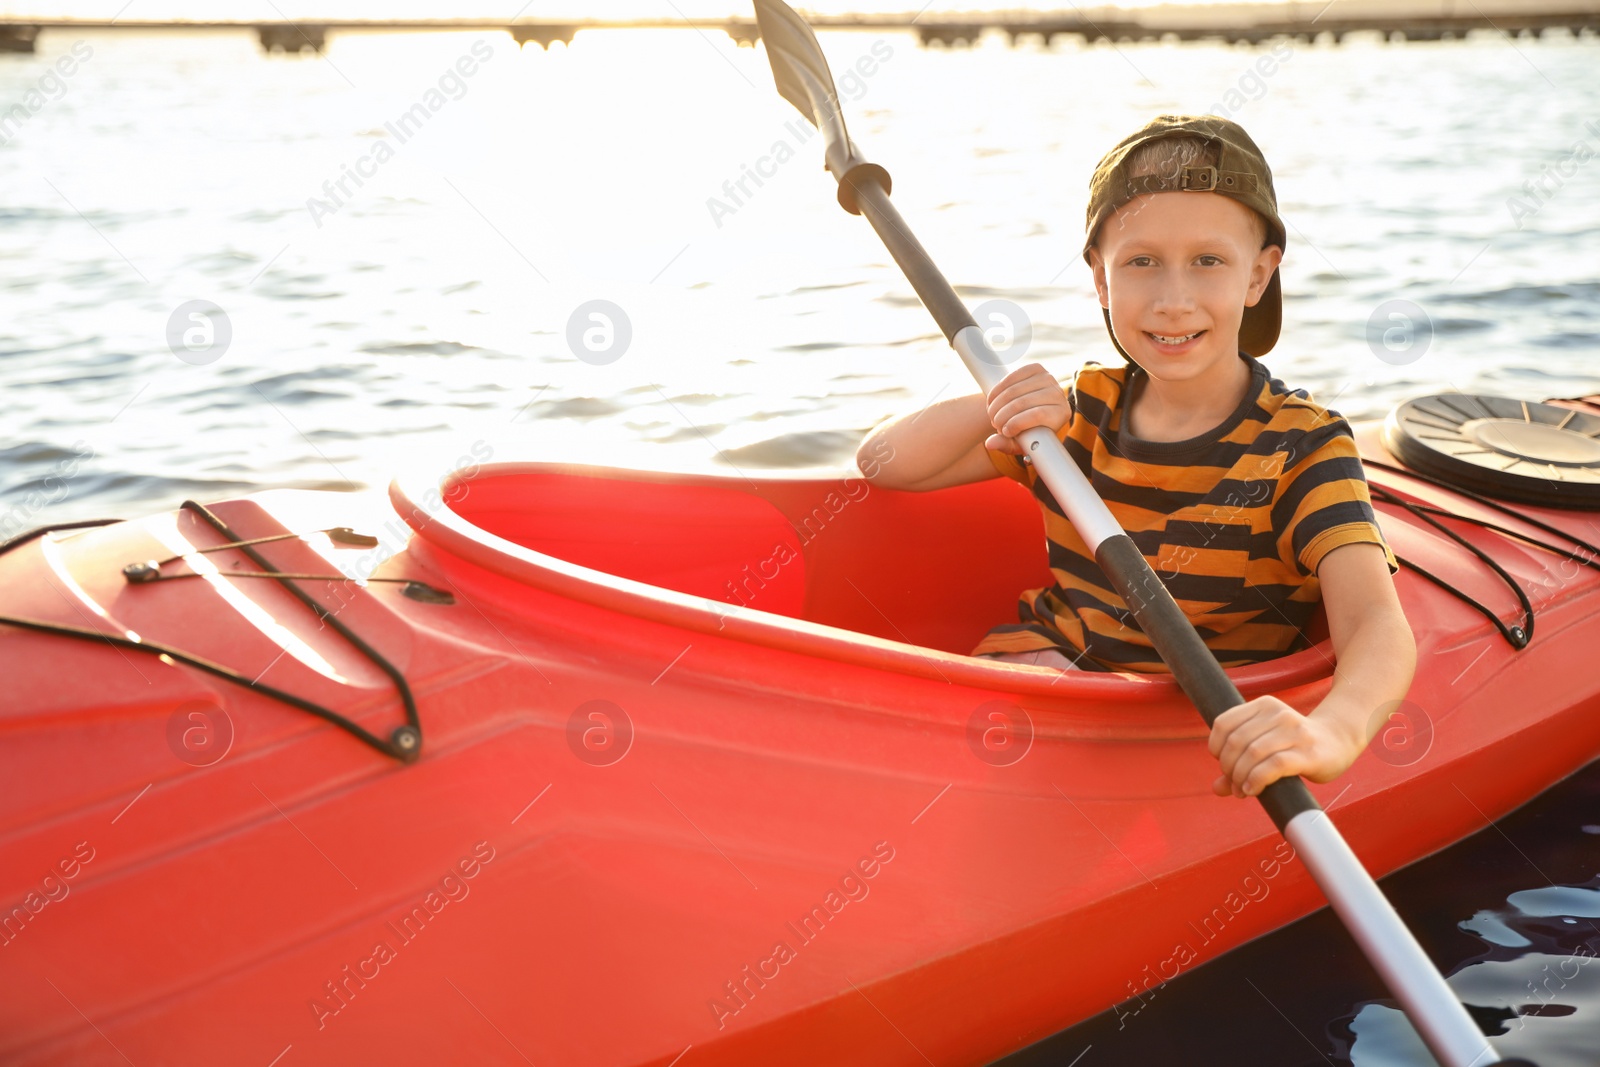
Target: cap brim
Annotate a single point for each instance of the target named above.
(1258, 330)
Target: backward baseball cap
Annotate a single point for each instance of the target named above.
(1241, 172)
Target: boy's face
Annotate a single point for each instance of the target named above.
(1177, 270)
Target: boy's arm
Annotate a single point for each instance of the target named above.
(948, 443)
(939, 446)
(1263, 740)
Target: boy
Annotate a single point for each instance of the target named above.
(1246, 497)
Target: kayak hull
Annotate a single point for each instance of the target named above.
(650, 824)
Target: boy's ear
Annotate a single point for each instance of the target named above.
(1097, 264)
(1267, 261)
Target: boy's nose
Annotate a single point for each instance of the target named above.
(1174, 294)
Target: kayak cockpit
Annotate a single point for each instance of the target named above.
(894, 565)
(830, 567)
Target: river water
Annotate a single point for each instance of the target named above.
(224, 271)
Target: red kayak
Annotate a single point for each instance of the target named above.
(626, 768)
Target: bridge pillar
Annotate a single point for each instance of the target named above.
(949, 35)
(291, 37)
(546, 34)
(18, 38)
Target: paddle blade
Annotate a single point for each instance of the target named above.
(797, 60)
(801, 72)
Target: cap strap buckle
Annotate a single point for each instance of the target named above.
(1194, 179)
(1198, 179)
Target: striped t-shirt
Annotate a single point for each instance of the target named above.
(1234, 522)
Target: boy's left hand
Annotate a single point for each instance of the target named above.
(1265, 739)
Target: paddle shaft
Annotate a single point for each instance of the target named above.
(1443, 1023)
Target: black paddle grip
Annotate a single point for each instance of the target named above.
(1193, 666)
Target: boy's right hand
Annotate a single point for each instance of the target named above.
(1027, 397)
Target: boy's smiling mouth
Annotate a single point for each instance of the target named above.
(1174, 341)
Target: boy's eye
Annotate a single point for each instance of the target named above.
(1205, 260)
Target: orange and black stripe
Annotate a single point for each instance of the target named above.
(1234, 522)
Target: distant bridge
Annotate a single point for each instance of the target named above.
(1425, 20)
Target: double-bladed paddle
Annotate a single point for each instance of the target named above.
(802, 75)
